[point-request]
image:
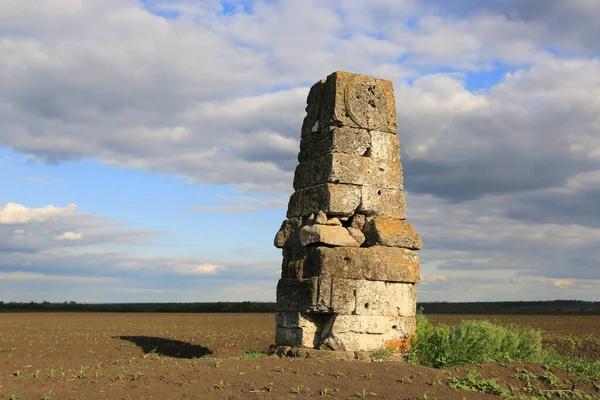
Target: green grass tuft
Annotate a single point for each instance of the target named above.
(473, 342)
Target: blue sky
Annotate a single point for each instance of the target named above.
(147, 148)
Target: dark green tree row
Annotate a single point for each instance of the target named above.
(557, 307)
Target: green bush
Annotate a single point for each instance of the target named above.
(473, 342)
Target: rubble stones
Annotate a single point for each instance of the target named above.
(392, 232)
(334, 222)
(356, 235)
(349, 267)
(358, 221)
(326, 234)
(321, 218)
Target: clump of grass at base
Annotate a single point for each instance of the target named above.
(472, 342)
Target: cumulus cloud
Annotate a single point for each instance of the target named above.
(236, 120)
(51, 226)
(501, 180)
(12, 213)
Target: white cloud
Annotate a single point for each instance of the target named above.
(502, 180)
(69, 236)
(13, 213)
(54, 227)
(205, 269)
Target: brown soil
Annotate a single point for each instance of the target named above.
(190, 356)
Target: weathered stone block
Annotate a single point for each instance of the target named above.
(292, 266)
(385, 146)
(333, 293)
(334, 139)
(295, 337)
(359, 101)
(382, 201)
(368, 333)
(304, 295)
(369, 298)
(293, 253)
(400, 299)
(392, 232)
(313, 109)
(312, 326)
(385, 298)
(294, 295)
(349, 169)
(340, 200)
(326, 234)
(373, 324)
(343, 295)
(289, 233)
(293, 269)
(377, 263)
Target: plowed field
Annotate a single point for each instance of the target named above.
(206, 356)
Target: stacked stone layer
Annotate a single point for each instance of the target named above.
(349, 256)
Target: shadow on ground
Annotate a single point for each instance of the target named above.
(167, 347)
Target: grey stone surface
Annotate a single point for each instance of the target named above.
(358, 101)
(400, 299)
(348, 271)
(340, 296)
(288, 234)
(349, 169)
(293, 269)
(288, 336)
(392, 232)
(302, 295)
(377, 263)
(374, 324)
(377, 200)
(335, 139)
(339, 200)
(326, 234)
(368, 333)
(313, 109)
(385, 146)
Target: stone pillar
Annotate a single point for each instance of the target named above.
(349, 261)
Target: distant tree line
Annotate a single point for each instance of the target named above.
(556, 307)
(219, 307)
